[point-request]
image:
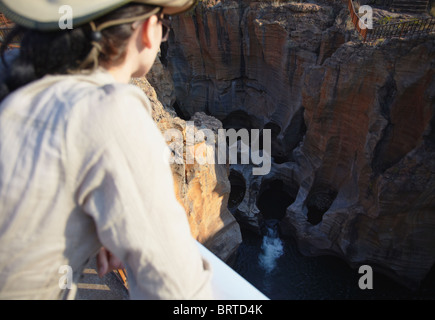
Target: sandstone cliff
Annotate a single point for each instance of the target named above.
(203, 190)
(352, 124)
(366, 165)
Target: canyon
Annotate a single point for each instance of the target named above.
(352, 126)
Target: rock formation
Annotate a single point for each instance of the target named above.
(366, 166)
(203, 190)
(353, 137)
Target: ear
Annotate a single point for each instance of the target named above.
(148, 36)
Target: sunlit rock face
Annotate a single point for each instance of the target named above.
(353, 126)
(202, 189)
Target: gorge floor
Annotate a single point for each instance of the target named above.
(292, 276)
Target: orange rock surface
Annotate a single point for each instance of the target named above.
(203, 190)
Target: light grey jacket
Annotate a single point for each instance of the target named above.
(82, 164)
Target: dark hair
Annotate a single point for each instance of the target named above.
(63, 51)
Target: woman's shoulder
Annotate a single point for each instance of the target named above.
(80, 92)
(125, 95)
(96, 100)
(102, 89)
(81, 102)
(102, 113)
(96, 93)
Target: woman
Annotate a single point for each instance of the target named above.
(82, 164)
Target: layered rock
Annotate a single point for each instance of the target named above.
(352, 125)
(230, 58)
(367, 192)
(202, 189)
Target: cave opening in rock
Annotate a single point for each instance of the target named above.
(180, 113)
(163, 53)
(237, 120)
(280, 159)
(291, 138)
(274, 199)
(238, 189)
(318, 203)
(274, 128)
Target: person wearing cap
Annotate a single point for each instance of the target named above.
(82, 164)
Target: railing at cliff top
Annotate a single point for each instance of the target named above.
(384, 3)
(410, 28)
(417, 27)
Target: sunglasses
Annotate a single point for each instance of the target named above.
(166, 26)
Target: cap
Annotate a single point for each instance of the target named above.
(46, 14)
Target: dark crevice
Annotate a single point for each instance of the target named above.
(238, 189)
(274, 128)
(164, 53)
(318, 202)
(282, 149)
(281, 159)
(296, 130)
(430, 137)
(381, 161)
(238, 119)
(275, 197)
(180, 113)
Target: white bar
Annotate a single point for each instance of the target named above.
(228, 284)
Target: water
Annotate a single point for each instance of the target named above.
(272, 248)
(277, 268)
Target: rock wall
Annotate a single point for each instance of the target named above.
(352, 125)
(366, 166)
(203, 190)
